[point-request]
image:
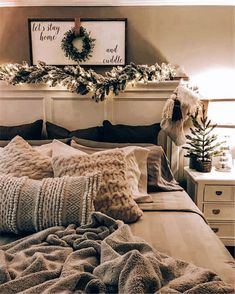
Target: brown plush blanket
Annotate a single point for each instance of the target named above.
(101, 257)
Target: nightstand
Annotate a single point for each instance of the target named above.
(214, 194)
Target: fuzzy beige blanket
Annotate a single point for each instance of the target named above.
(101, 257)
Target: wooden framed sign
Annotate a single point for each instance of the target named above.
(46, 35)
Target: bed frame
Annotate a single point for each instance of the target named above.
(142, 104)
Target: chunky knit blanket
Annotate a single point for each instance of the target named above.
(101, 257)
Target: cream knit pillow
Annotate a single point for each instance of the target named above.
(136, 158)
(28, 205)
(114, 196)
(20, 159)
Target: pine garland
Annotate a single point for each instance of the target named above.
(71, 51)
(78, 80)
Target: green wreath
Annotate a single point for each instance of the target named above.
(71, 51)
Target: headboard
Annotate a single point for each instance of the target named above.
(141, 104)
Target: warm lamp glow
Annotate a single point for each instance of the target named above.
(222, 112)
(216, 83)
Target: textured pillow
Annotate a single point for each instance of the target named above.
(160, 176)
(42, 146)
(130, 134)
(29, 205)
(67, 141)
(114, 196)
(57, 132)
(32, 131)
(136, 158)
(19, 159)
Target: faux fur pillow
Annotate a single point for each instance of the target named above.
(29, 205)
(20, 159)
(114, 196)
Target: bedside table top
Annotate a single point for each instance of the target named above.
(212, 176)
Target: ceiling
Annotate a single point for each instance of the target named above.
(15, 3)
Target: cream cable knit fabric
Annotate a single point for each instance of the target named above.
(114, 195)
(29, 205)
(19, 159)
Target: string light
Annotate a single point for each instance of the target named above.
(99, 85)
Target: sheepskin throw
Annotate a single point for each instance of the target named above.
(28, 205)
(114, 196)
(20, 159)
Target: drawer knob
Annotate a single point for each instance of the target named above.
(218, 193)
(215, 230)
(215, 211)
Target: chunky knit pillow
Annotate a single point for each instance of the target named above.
(20, 159)
(114, 196)
(28, 205)
(136, 158)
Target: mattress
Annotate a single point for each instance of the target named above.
(174, 225)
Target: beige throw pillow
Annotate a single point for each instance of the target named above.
(45, 149)
(30, 205)
(19, 159)
(114, 196)
(61, 149)
(136, 168)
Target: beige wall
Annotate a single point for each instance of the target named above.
(200, 39)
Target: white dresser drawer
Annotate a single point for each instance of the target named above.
(219, 211)
(225, 230)
(218, 193)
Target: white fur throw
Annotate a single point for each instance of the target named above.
(29, 205)
(20, 159)
(114, 196)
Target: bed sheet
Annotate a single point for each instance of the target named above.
(175, 226)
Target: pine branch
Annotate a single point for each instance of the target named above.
(78, 80)
(200, 142)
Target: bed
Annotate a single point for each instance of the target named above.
(171, 224)
(175, 226)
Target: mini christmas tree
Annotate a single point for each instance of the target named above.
(201, 142)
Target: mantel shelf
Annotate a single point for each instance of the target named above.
(139, 87)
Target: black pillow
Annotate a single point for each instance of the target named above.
(31, 131)
(130, 134)
(57, 132)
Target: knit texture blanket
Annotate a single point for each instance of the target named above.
(101, 257)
